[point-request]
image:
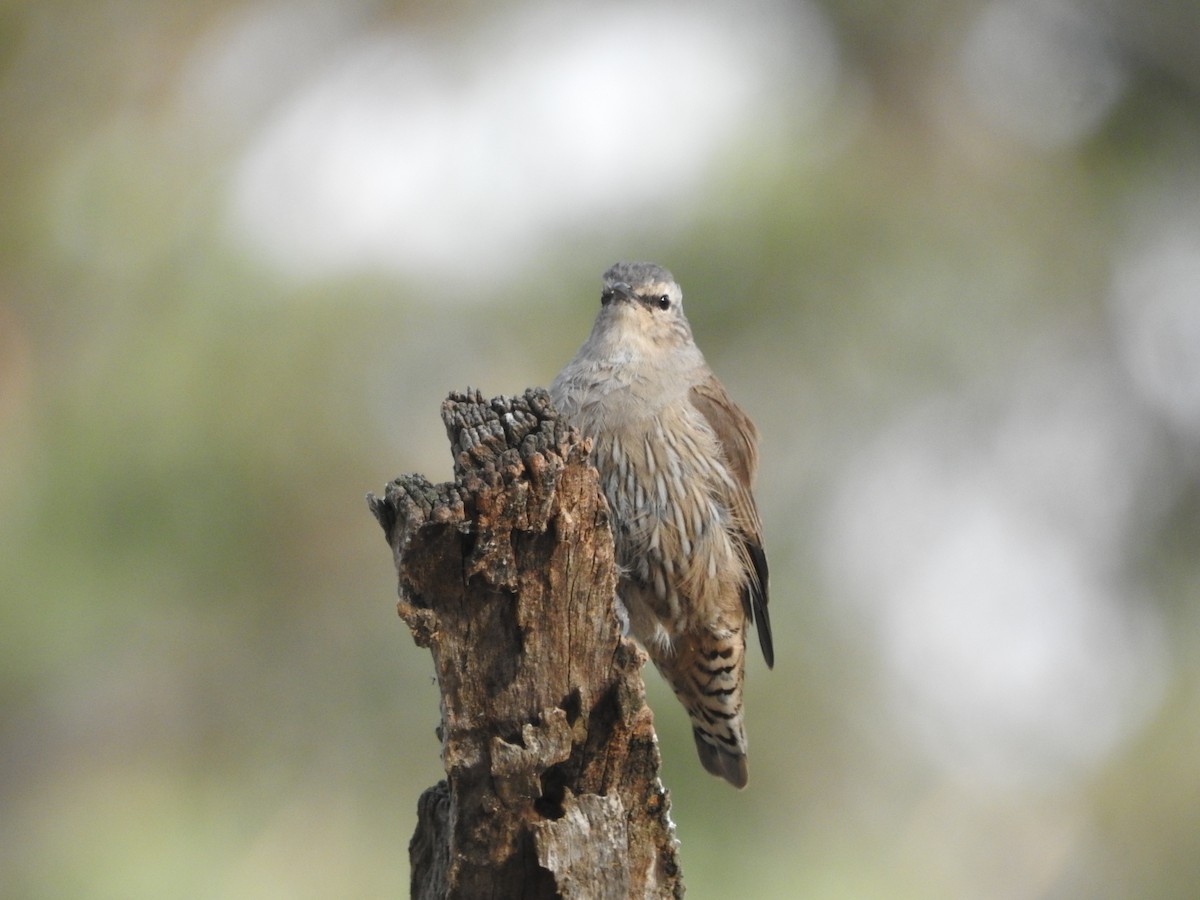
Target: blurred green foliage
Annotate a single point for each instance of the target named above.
(204, 690)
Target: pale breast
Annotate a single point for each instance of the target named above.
(665, 481)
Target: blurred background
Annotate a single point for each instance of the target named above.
(947, 255)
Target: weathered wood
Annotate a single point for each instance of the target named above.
(507, 575)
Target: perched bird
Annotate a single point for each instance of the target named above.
(676, 459)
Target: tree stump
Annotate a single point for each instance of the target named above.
(507, 575)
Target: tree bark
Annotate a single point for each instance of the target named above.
(507, 575)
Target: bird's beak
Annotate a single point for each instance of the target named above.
(624, 291)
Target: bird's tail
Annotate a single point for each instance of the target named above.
(706, 670)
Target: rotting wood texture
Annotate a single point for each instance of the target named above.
(507, 575)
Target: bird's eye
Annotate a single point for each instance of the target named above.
(664, 302)
(606, 296)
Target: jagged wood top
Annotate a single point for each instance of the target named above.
(493, 442)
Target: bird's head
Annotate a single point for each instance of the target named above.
(641, 308)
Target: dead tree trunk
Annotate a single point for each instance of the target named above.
(507, 576)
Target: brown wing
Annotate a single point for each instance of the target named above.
(739, 442)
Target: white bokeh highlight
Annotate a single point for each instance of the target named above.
(457, 161)
(1156, 317)
(977, 542)
(1041, 71)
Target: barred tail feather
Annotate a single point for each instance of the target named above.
(723, 762)
(706, 670)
